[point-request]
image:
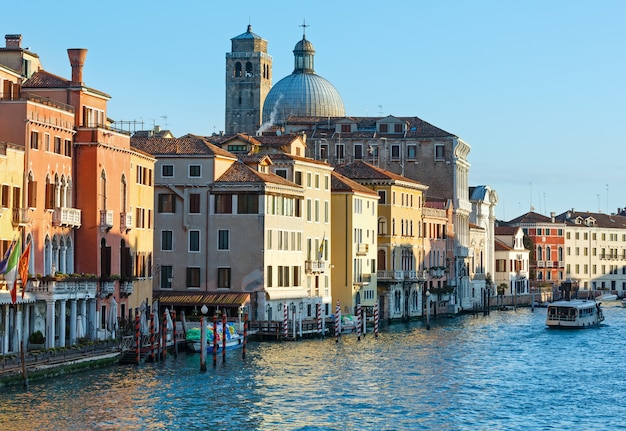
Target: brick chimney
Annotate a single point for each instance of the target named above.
(77, 61)
(13, 41)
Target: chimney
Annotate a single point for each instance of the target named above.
(552, 215)
(77, 61)
(13, 41)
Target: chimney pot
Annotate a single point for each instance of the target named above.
(13, 41)
(77, 61)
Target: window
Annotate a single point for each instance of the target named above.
(382, 194)
(193, 277)
(167, 203)
(166, 240)
(298, 178)
(34, 140)
(340, 152)
(395, 150)
(346, 128)
(167, 170)
(439, 152)
(68, 147)
(223, 204)
(247, 203)
(166, 277)
(223, 278)
(281, 173)
(57, 144)
(317, 181)
(194, 203)
(411, 151)
(384, 128)
(194, 240)
(358, 151)
(194, 170)
(222, 239)
(46, 142)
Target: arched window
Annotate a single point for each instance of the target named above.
(248, 69)
(393, 226)
(47, 256)
(548, 253)
(382, 226)
(237, 73)
(539, 253)
(561, 253)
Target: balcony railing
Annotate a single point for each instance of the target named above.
(315, 266)
(106, 219)
(69, 217)
(390, 275)
(21, 216)
(107, 288)
(363, 279)
(362, 249)
(126, 288)
(126, 221)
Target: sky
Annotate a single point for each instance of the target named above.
(535, 87)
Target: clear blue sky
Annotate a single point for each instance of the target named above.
(537, 88)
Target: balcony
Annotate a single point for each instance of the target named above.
(363, 280)
(50, 286)
(415, 275)
(437, 271)
(66, 217)
(126, 221)
(315, 266)
(107, 288)
(362, 249)
(390, 275)
(106, 219)
(126, 288)
(461, 251)
(21, 216)
(541, 264)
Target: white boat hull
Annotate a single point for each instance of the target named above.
(574, 314)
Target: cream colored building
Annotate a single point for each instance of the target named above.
(595, 251)
(354, 242)
(511, 261)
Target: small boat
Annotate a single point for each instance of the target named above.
(607, 297)
(576, 313)
(624, 302)
(233, 338)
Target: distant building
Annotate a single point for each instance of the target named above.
(512, 261)
(595, 251)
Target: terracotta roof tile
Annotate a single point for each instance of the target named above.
(179, 146)
(360, 170)
(339, 183)
(241, 173)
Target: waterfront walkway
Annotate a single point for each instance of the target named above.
(53, 361)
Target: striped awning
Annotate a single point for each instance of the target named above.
(5, 297)
(208, 299)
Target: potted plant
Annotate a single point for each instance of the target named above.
(36, 341)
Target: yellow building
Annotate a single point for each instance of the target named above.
(353, 238)
(400, 250)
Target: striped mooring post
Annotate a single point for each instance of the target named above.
(285, 321)
(245, 335)
(164, 337)
(152, 337)
(138, 337)
(319, 319)
(358, 321)
(337, 321)
(174, 334)
(376, 320)
(224, 331)
(214, 340)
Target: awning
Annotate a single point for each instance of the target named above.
(208, 299)
(5, 298)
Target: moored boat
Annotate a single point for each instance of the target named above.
(607, 297)
(576, 313)
(624, 302)
(233, 338)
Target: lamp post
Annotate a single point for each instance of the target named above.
(203, 310)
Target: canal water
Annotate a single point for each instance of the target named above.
(504, 371)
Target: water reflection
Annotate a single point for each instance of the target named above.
(502, 371)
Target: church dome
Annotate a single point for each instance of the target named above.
(303, 93)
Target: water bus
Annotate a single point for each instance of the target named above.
(576, 313)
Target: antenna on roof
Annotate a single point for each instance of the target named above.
(380, 110)
(165, 118)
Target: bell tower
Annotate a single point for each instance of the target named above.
(248, 80)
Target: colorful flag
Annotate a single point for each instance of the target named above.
(321, 250)
(5, 259)
(22, 267)
(11, 270)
